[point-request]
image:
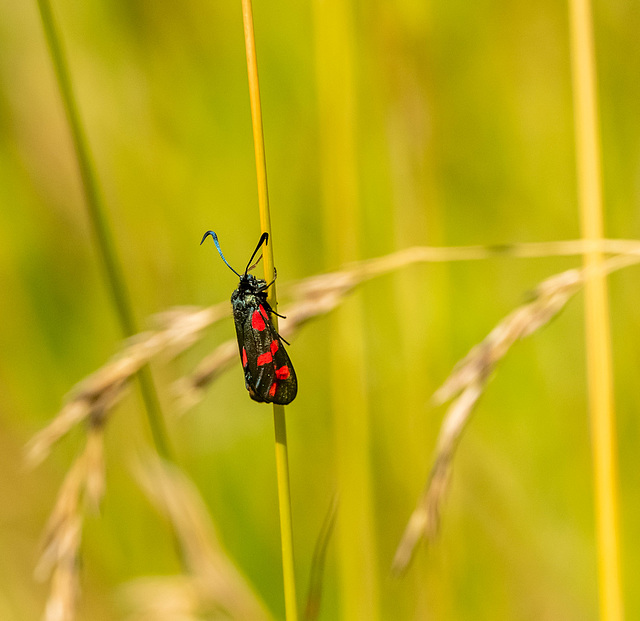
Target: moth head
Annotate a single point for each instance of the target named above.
(249, 283)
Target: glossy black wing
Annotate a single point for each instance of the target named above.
(268, 372)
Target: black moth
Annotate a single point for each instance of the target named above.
(268, 372)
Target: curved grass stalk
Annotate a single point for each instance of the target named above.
(313, 297)
(468, 380)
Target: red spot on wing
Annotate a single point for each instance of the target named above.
(244, 357)
(257, 321)
(283, 372)
(264, 358)
(272, 390)
(274, 346)
(263, 313)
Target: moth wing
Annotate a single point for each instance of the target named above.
(286, 380)
(251, 344)
(268, 372)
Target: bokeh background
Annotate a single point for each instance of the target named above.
(387, 124)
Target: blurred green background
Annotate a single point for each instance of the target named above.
(460, 131)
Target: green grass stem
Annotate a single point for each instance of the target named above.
(335, 52)
(102, 235)
(279, 421)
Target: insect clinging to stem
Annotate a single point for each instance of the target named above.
(268, 373)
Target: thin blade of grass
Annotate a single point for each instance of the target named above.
(316, 577)
(114, 276)
(335, 52)
(279, 421)
(597, 328)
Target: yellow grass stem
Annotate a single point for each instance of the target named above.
(282, 459)
(599, 366)
(335, 58)
(113, 273)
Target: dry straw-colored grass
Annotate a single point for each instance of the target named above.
(468, 381)
(179, 328)
(94, 399)
(83, 484)
(211, 586)
(96, 396)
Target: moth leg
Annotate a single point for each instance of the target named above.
(271, 311)
(275, 275)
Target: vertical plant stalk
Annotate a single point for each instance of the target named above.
(335, 43)
(598, 344)
(416, 218)
(102, 235)
(282, 459)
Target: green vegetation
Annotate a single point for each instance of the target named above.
(386, 126)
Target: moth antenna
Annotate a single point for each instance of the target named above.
(264, 239)
(255, 264)
(217, 243)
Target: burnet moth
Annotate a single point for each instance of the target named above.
(268, 372)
